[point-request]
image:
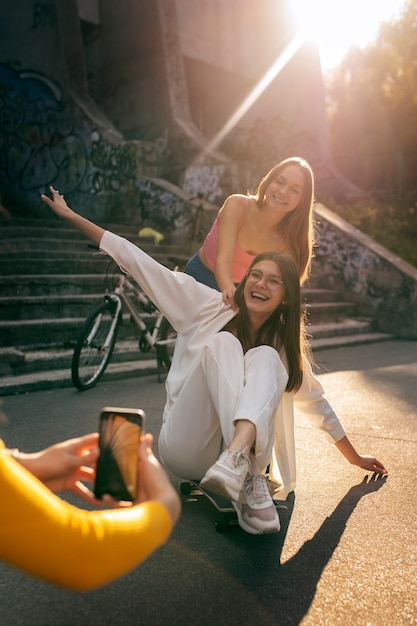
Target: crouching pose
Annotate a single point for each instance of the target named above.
(234, 378)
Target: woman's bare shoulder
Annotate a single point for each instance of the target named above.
(237, 197)
(233, 212)
(236, 202)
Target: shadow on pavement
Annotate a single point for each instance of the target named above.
(200, 577)
(241, 578)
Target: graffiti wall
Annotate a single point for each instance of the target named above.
(45, 138)
(213, 181)
(168, 209)
(162, 209)
(384, 287)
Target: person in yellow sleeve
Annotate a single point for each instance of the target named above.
(75, 548)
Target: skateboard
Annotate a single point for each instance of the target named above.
(227, 515)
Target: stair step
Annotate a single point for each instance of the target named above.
(54, 284)
(32, 244)
(63, 332)
(23, 308)
(46, 244)
(23, 228)
(340, 328)
(22, 233)
(311, 295)
(15, 362)
(66, 262)
(340, 341)
(62, 263)
(325, 311)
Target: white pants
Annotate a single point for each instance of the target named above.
(226, 386)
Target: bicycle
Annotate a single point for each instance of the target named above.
(98, 336)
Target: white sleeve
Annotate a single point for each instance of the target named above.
(311, 401)
(178, 296)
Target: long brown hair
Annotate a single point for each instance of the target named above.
(297, 226)
(284, 328)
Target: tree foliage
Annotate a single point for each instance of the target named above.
(372, 110)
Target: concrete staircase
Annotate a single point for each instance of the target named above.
(333, 322)
(51, 278)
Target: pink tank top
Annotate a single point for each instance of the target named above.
(241, 259)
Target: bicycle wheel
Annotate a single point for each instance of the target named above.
(164, 345)
(94, 346)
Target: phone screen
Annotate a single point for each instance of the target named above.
(117, 466)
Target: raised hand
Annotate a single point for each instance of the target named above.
(57, 203)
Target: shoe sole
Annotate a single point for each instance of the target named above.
(220, 488)
(253, 530)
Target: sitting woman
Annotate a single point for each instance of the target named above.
(234, 378)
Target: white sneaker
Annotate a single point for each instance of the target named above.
(225, 478)
(255, 508)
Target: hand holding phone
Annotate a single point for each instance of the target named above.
(120, 431)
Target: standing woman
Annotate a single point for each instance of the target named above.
(278, 217)
(234, 377)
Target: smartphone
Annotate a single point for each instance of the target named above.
(117, 465)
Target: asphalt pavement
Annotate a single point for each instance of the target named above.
(346, 553)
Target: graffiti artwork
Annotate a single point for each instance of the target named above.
(46, 139)
(40, 140)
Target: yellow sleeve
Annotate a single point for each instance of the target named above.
(61, 544)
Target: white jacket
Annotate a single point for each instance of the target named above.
(197, 312)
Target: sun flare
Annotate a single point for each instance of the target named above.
(336, 26)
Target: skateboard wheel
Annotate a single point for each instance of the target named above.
(185, 488)
(221, 525)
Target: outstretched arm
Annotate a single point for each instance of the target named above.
(365, 462)
(178, 296)
(61, 208)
